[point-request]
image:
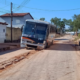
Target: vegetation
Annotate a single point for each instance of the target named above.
(77, 38)
(59, 24)
(43, 19)
(79, 35)
(56, 21)
(74, 23)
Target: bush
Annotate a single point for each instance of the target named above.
(79, 35)
(76, 39)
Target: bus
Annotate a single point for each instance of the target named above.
(37, 34)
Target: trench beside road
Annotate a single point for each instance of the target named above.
(59, 62)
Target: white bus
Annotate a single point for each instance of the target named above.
(37, 34)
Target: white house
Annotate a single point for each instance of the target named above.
(18, 19)
(3, 26)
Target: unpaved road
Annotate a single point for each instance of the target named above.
(56, 63)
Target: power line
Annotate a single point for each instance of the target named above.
(53, 10)
(23, 3)
(50, 10)
(26, 1)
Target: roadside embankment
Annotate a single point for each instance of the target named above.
(9, 58)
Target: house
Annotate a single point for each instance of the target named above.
(3, 26)
(16, 34)
(18, 19)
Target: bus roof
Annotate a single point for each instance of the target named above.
(37, 21)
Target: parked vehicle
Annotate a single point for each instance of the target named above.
(37, 34)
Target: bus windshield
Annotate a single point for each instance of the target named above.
(41, 31)
(35, 30)
(29, 29)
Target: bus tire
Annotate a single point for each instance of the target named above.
(52, 42)
(46, 45)
(27, 48)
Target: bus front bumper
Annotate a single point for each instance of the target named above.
(34, 45)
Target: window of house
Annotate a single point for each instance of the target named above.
(17, 21)
(3, 30)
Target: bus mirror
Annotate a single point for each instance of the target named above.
(21, 29)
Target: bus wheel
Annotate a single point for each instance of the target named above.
(46, 45)
(27, 48)
(52, 42)
(36, 48)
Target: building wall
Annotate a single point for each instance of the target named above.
(17, 21)
(27, 17)
(2, 33)
(16, 33)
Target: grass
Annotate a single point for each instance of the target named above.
(76, 39)
(78, 35)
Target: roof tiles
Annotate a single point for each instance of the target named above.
(14, 14)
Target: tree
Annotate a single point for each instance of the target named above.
(59, 24)
(55, 21)
(65, 21)
(75, 17)
(69, 22)
(43, 19)
(62, 24)
(51, 20)
(76, 22)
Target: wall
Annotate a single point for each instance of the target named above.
(16, 33)
(17, 21)
(27, 17)
(2, 33)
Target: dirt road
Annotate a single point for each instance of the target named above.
(56, 63)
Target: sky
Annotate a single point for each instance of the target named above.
(42, 8)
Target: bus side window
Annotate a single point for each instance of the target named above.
(47, 32)
(51, 29)
(22, 29)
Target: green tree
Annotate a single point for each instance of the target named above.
(65, 21)
(76, 22)
(51, 20)
(62, 24)
(75, 17)
(69, 22)
(55, 21)
(43, 19)
(59, 24)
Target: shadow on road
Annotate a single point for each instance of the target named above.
(62, 47)
(4, 52)
(61, 39)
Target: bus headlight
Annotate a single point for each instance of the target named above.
(44, 42)
(23, 41)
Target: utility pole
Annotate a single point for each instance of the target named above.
(11, 21)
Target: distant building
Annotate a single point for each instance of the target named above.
(18, 19)
(71, 33)
(3, 26)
